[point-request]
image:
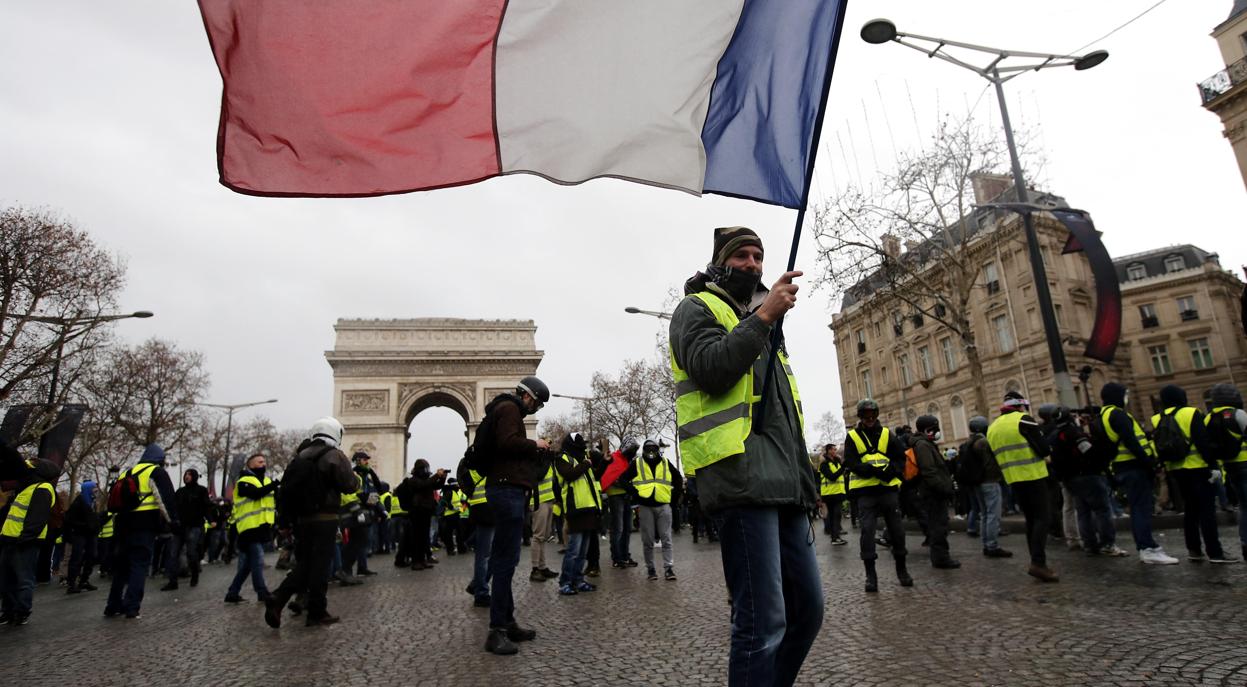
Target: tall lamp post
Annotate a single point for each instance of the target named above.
(880, 31)
(588, 400)
(229, 431)
(662, 316)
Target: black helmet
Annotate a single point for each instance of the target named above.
(1225, 395)
(536, 388)
(927, 423)
(978, 424)
(1048, 411)
(866, 404)
(629, 448)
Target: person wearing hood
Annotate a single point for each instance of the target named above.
(753, 473)
(1196, 471)
(82, 526)
(193, 505)
(1226, 423)
(255, 512)
(25, 528)
(1133, 467)
(415, 495)
(1021, 452)
(581, 502)
(135, 532)
(654, 484)
(936, 490)
(618, 504)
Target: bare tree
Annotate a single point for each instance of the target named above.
(555, 428)
(928, 206)
(150, 391)
(830, 429)
(638, 403)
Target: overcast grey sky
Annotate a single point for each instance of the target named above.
(109, 113)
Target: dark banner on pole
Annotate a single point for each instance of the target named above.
(54, 444)
(14, 422)
(1102, 344)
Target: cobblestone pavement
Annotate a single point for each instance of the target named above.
(1109, 621)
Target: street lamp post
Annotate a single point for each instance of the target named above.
(588, 400)
(880, 31)
(652, 313)
(229, 431)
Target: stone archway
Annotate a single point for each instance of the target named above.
(386, 371)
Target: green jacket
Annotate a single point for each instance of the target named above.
(775, 469)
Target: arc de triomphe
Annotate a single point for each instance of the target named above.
(387, 371)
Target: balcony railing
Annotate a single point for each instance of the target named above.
(1150, 321)
(1220, 83)
(1188, 315)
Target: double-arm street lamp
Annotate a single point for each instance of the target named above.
(67, 325)
(880, 31)
(229, 430)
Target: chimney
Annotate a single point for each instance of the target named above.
(910, 244)
(891, 245)
(989, 187)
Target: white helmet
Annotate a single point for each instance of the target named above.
(328, 430)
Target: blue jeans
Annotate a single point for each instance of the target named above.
(974, 512)
(1138, 486)
(131, 558)
(574, 558)
(480, 569)
(1236, 473)
(777, 595)
(189, 541)
(620, 527)
(1095, 520)
(990, 499)
(250, 562)
(508, 505)
(17, 577)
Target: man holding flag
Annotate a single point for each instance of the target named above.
(753, 474)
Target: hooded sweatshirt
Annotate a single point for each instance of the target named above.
(1172, 396)
(1122, 424)
(162, 492)
(39, 512)
(193, 502)
(82, 519)
(513, 458)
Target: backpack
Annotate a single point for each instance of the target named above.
(125, 494)
(478, 455)
(1103, 449)
(302, 490)
(911, 465)
(1171, 442)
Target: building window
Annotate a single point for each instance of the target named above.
(878, 330)
(1147, 314)
(950, 354)
(861, 341)
(1175, 263)
(1187, 309)
(991, 278)
(902, 365)
(898, 327)
(924, 359)
(960, 427)
(1201, 354)
(1159, 355)
(1136, 272)
(1060, 315)
(1004, 337)
(867, 388)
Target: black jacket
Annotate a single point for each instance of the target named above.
(263, 533)
(81, 518)
(895, 452)
(833, 471)
(512, 457)
(193, 504)
(677, 481)
(933, 474)
(39, 512)
(1123, 425)
(416, 492)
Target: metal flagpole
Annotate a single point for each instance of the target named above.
(777, 334)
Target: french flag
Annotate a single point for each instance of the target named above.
(370, 97)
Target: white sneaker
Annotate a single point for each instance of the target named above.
(1114, 551)
(1156, 556)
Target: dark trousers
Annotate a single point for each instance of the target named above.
(250, 564)
(17, 577)
(835, 512)
(508, 505)
(881, 504)
(81, 559)
(313, 551)
(190, 542)
(1200, 516)
(104, 554)
(132, 555)
(937, 528)
(355, 551)
(449, 530)
(620, 527)
(594, 553)
(416, 549)
(1032, 497)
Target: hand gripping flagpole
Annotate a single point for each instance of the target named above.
(777, 332)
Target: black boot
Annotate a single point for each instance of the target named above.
(872, 579)
(902, 574)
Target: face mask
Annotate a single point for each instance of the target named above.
(738, 284)
(1125, 400)
(258, 472)
(937, 436)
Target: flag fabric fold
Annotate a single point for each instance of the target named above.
(369, 97)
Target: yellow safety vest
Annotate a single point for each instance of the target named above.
(451, 507)
(252, 513)
(872, 455)
(392, 506)
(1123, 453)
(582, 494)
(653, 484)
(1017, 461)
(1242, 448)
(545, 488)
(353, 496)
(147, 500)
(714, 426)
(18, 508)
(830, 487)
(1184, 416)
(106, 532)
(478, 489)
